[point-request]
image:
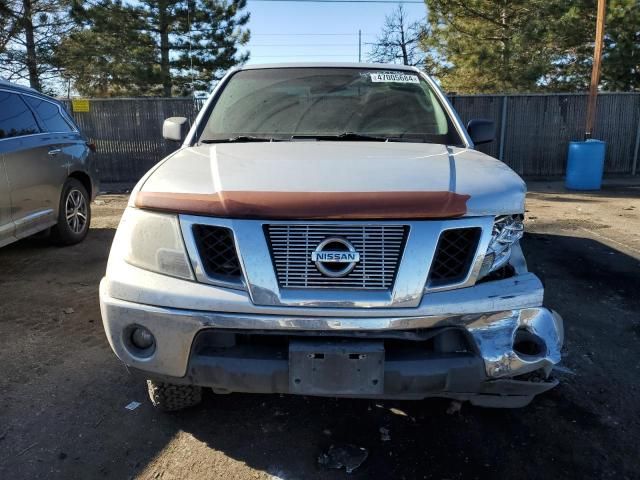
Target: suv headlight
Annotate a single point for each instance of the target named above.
(152, 241)
(507, 230)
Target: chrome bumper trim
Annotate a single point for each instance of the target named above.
(133, 284)
(175, 329)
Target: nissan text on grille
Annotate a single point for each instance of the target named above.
(329, 230)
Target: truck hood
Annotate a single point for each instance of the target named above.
(332, 180)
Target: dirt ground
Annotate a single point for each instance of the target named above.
(63, 393)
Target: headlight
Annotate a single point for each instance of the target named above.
(507, 230)
(152, 241)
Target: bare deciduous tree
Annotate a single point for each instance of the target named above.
(400, 40)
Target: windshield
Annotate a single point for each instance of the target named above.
(328, 104)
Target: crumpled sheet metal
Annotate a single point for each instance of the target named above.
(494, 335)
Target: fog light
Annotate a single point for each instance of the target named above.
(142, 338)
(528, 344)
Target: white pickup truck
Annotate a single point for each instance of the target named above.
(329, 229)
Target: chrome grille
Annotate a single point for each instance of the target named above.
(380, 248)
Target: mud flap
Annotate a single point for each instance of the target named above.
(332, 368)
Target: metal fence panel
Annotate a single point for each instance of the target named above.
(538, 129)
(618, 121)
(128, 133)
(489, 107)
(533, 131)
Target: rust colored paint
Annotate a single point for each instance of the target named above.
(310, 205)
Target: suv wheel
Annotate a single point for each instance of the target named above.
(169, 397)
(74, 214)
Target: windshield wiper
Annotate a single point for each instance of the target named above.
(241, 139)
(348, 137)
(345, 136)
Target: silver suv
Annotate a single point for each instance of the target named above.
(330, 230)
(47, 176)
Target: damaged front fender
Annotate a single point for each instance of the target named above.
(526, 341)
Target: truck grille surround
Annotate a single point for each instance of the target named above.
(379, 246)
(217, 251)
(454, 255)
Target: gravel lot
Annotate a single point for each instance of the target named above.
(63, 392)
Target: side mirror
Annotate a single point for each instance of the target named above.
(481, 131)
(175, 128)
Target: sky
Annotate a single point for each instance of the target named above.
(291, 31)
(299, 31)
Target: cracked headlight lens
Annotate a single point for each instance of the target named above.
(153, 241)
(507, 230)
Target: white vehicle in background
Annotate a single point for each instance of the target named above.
(329, 229)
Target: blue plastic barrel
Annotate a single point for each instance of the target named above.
(585, 165)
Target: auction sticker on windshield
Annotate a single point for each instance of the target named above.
(394, 77)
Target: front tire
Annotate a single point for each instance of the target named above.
(168, 397)
(74, 214)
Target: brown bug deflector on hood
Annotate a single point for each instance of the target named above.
(310, 205)
(331, 181)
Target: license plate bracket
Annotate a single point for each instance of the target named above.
(336, 368)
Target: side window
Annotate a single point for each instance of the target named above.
(16, 119)
(49, 114)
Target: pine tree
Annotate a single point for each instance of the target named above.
(111, 55)
(491, 46)
(515, 46)
(154, 47)
(574, 32)
(621, 63)
(33, 30)
(197, 40)
(9, 22)
(209, 47)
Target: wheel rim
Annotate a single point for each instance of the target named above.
(76, 211)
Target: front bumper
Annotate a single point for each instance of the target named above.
(484, 364)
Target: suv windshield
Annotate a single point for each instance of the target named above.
(347, 104)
